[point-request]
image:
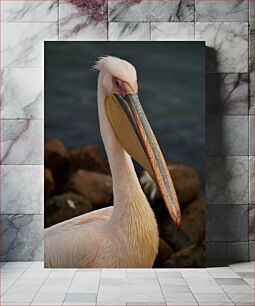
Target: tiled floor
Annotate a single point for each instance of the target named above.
(27, 283)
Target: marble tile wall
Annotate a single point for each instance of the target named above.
(227, 27)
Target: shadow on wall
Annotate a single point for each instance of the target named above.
(214, 144)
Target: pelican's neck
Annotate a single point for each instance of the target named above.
(125, 181)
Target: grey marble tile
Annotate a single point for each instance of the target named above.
(227, 180)
(227, 45)
(214, 10)
(21, 237)
(251, 10)
(175, 299)
(246, 275)
(81, 297)
(182, 31)
(251, 93)
(151, 10)
(215, 181)
(22, 142)
(242, 299)
(251, 68)
(251, 46)
(129, 31)
(23, 43)
(179, 289)
(243, 267)
(222, 272)
(22, 10)
(82, 21)
(21, 93)
(227, 94)
(209, 298)
(227, 135)
(237, 251)
(230, 281)
(251, 250)
(22, 189)
(227, 223)
(146, 303)
(126, 292)
(251, 222)
(251, 180)
(216, 253)
(251, 135)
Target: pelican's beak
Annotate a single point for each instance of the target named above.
(136, 136)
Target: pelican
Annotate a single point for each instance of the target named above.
(124, 235)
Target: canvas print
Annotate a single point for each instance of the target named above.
(124, 154)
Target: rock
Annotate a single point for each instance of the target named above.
(185, 179)
(89, 158)
(193, 220)
(95, 187)
(49, 184)
(192, 256)
(164, 253)
(175, 238)
(65, 206)
(56, 158)
(186, 182)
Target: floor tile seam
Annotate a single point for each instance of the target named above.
(189, 288)
(98, 287)
(16, 279)
(160, 287)
(69, 287)
(40, 288)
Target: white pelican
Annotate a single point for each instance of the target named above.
(124, 235)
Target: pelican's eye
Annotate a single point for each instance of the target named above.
(117, 83)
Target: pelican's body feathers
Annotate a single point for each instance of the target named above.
(86, 241)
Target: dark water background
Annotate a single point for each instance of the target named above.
(171, 78)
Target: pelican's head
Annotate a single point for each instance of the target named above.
(117, 76)
(131, 127)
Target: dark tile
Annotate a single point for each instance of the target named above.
(251, 222)
(227, 180)
(251, 68)
(251, 10)
(227, 223)
(227, 94)
(230, 281)
(251, 135)
(251, 250)
(216, 252)
(251, 93)
(251, 180)
(227, 135)
(237, 252)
